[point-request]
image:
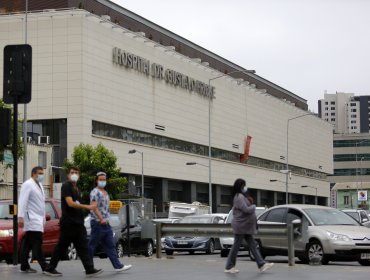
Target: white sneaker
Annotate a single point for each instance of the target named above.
(231, 270)
(123, 268)
(266, 266)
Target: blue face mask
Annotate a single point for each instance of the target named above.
(40, 178)
(102, 184)
(245, 189)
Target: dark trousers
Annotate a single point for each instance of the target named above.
(32, 241)
(238, 238)
(102, 234)
(75, 234)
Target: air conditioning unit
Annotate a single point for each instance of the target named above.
(29, 139)
(43, 140)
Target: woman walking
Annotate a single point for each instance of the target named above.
(244, 225)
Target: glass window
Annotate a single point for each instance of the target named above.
(293, 215)
(42, 159)
(276, 215)
(4, 211)
(50, 210)
(329, 217)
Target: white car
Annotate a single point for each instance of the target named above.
(227, 242)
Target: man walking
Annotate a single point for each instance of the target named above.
(31, 216)
(72, 229)
(101, 231)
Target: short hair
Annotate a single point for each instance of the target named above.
(35, 169)
(75, 168)
(100, 173)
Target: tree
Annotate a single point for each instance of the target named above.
(91, 160)
(20, 144)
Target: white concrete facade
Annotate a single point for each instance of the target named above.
(74, 77)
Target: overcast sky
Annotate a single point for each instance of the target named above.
(305, 46)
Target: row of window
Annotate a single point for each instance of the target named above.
(351, 143)
(352, 157)
(331, 108)
(351, 172)
(131, 135)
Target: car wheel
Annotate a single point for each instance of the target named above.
(224, 253)
(259, 248)
(364, 262)
(169, 252)
(211, 247)
(315, 253)
(119, 249)
(72, 252)
(149, 249)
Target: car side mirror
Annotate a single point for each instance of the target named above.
(47, 217)
(365, 220)
(297, 222)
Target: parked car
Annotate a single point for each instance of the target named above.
(227, 242)
(331, 234)
(50, 237)
(193, 244)
(166, 220)
(359, 215)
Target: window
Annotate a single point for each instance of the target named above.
(326, 108)
(276, 215)
(353, 104)
(333, 119)
(353, 110)
(326, 114)
(353, 121)
(346, 200)
(332, 103)
(50, 210)
(332, 108)
(353, 116)
(326, 103)
(332, 114)
(42, 159)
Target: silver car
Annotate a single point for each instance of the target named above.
(359, 215)
(327, 234)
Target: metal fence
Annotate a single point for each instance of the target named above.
(148, 206)
(276, 231)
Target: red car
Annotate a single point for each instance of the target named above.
(51, 232)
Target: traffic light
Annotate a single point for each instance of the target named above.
(4, 126)
(17, 74)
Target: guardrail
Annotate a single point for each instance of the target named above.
(276, 231)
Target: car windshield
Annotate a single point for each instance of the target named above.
(4, 211)
(196, 220)
(353, 215)
(329, 217)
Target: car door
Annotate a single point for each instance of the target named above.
(273, 216)
(299, 241)
(51, 230)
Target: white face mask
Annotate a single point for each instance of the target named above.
(74, 178)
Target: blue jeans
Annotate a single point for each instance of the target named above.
(238, 238)
(103, 234)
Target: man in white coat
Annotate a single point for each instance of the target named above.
(31, 216)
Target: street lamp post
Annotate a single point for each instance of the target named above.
(142, 180)
(209, 132)
(287, 156)
(312, 187)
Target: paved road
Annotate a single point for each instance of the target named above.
(198, 267)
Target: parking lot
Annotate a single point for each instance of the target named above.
(183, 266)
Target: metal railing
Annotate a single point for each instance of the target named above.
(276, 231)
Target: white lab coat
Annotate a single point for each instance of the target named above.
(31, 206)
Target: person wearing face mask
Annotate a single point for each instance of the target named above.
(72, 229)
(31, 216)
(101, 232)
(244, 226)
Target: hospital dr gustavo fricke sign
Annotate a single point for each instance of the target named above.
(157, 71)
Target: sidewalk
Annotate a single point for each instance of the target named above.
(198, 267)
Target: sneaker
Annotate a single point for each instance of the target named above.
(231, 270)
(94, 272)
(52, 272)
(28, 270)
(123, 268)
(266, 266)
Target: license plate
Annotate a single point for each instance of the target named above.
(182, 242)
(365, 256)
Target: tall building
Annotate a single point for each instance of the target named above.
(346, 112)
(96, 81)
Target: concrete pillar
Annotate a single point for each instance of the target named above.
(275, 198)
(218, 198)
(303, 199)
(258, 197)
(164, 190)
(193, 192)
